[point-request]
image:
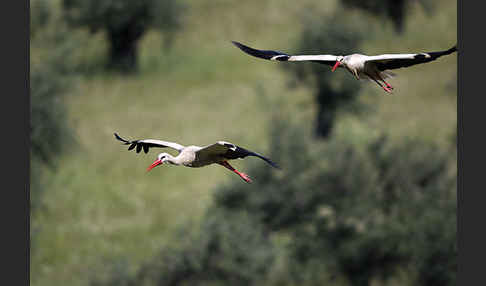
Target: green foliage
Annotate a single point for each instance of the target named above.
(48, 116)
(433, 246)
(39, 15)
(356, 210)
(228, 248)
(395, 10)
(339, 36)
(51, 78)
(117, 274)
(49, 131)
(125, 22)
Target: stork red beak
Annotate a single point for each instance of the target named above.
(336, 65)
(154, 164)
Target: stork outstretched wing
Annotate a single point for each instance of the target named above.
(230, 151)
(283, 57)
(146, 144)
(396, 61)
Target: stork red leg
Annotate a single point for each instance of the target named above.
(388, 85)
(386, 88)
(244, 176)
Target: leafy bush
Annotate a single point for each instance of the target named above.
(395, 10)
(125, 22)
(51, 78)
(39, 16)
(358, 212)
(227, 248)
(48, 115)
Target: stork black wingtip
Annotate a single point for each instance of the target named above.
(276, 166)
(121, 139)
(241, 46)
(273, 164)
(236, 43)
(263, 54)
(118, 137)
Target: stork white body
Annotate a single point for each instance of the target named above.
(361, 66)
(195, 156)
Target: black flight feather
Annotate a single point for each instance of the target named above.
(132, 146)
(240, 152)
(418, 59)
(263, 54)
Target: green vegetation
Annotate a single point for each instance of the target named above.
(352, 211)
(50, 82)
(125, 22)
(105, 221)
(395, 10)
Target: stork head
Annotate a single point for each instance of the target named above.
(339, 62)
(161, 159)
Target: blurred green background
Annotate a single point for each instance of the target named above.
(367, 190)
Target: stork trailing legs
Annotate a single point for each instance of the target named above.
(388, 88)
(388, 85)
(244, 176)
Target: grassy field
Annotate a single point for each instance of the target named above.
(102, 204)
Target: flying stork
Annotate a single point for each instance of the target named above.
(194, 156)
(361, 66)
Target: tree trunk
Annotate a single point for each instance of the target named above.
(327, 104)
(325, 121)
(396, 12)
(123, 48)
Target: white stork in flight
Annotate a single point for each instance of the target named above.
(195, 156)
(361, 66)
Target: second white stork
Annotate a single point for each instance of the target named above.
(361, 66)
(194, 156)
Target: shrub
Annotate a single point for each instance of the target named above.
(125, 22)
(227, 248)
(358, 212)
(395, 10)
(51, 79)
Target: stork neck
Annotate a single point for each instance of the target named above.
(174, 160)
